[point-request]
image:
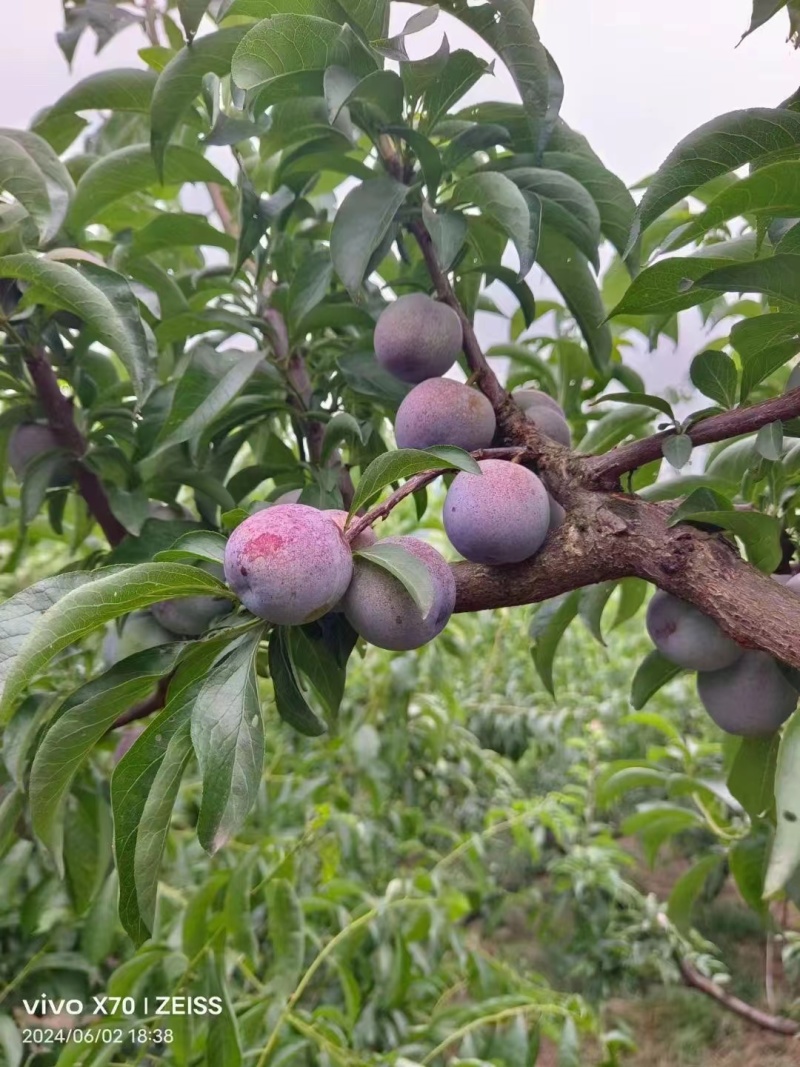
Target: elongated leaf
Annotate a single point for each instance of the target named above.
(125, 90)
(191, 13)
(143, 789)
(101, 298)
(687, 889)
(567, 206)
(591, 604)
(652, 673)
(448, 232)
(765, 343)
(752, 775)
(180, 82)
(717, 147)
(570, 273)
(292, 705)
(409, 571)
(460, 73)
(668, 286)
(546, 630)
(714, 374)
(403, 463)
(204, 390)
(68, 742)
(503, 205)
(286, 933)
(785, 854)
(763, 11)
(132, 170)
(176, 230)
(361, 223)
(199, 544)
(309, 286)
(760, 534)
(645, 400)
(228, 737)
(778, 277)
(88, 607)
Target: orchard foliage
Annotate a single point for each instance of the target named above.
(217, 275)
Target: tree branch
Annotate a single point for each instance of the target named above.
(222, 209)
(605, 471)
(61, 420)
(775, 1023)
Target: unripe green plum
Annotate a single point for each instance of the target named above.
(686, 636)
(752, 698)
(499, 516)
(380, 610)
(27, 441)
(139, 631)
(417, 338)
(288, 564)
(527, 398)
(440, 411)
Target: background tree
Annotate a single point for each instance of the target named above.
(169, 375)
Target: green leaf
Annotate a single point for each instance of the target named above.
(625, 778)
(567, 206)
(286, 933)
(448, 231)
(677, 449)
(292, 705)
(644, 400)
(461, 71)
(101, 298)
(181, 82)
(688, 888)
(407, 569)
(342, 427)
(228, 737)
(191, 13)
(570, 273)
(403, 463)
(85, 719)
(199, 544)
(714, 374)
(769, 440)
(760, 534)
(124, 90)
(614, 203)
(132, 170)
(319, 653)
(394, 47)
(615, 427)
(651, 675)
(205, 388)
(502, 205)
(361, 223)
(752, 775)
(763, 11)
(87, 846)
(177, 230)
(785, 854)
(144, 787)
(591, 605)
(778, 277)
(667, 286)
(12, 808)
(309, 286)
(32, 172)
(764, 343)
(548, 626)
(88, 607)
(717, 147)
(656, 823)
(11, 1042)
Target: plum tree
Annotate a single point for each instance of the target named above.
(499, 516)
(687, 637)
(440, 411)
(288, 564)
(140, 630)
(417, 338)
(27, 441)
(751, 698)
(382, 611)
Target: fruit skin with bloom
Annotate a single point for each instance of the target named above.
(440, 411)
(501, 515)
(288, 564)
(753, 698)
(27, 441)
(382, 611)
(365, 539)
(417, 338)
(687, 637)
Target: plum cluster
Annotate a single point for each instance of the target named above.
(290, 564)
(745, 692)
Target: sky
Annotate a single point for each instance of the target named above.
(639, 75)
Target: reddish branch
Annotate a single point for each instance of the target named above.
(766, 1021)
(145, 707)
(605, 471)
(61, 420)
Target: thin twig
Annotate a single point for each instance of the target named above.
(222, 209)
(777, 1024)
(151, 22)
(419, 481)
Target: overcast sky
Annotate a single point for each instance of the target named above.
(639, 74)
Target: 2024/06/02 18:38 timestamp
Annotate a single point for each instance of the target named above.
(44, 1037)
